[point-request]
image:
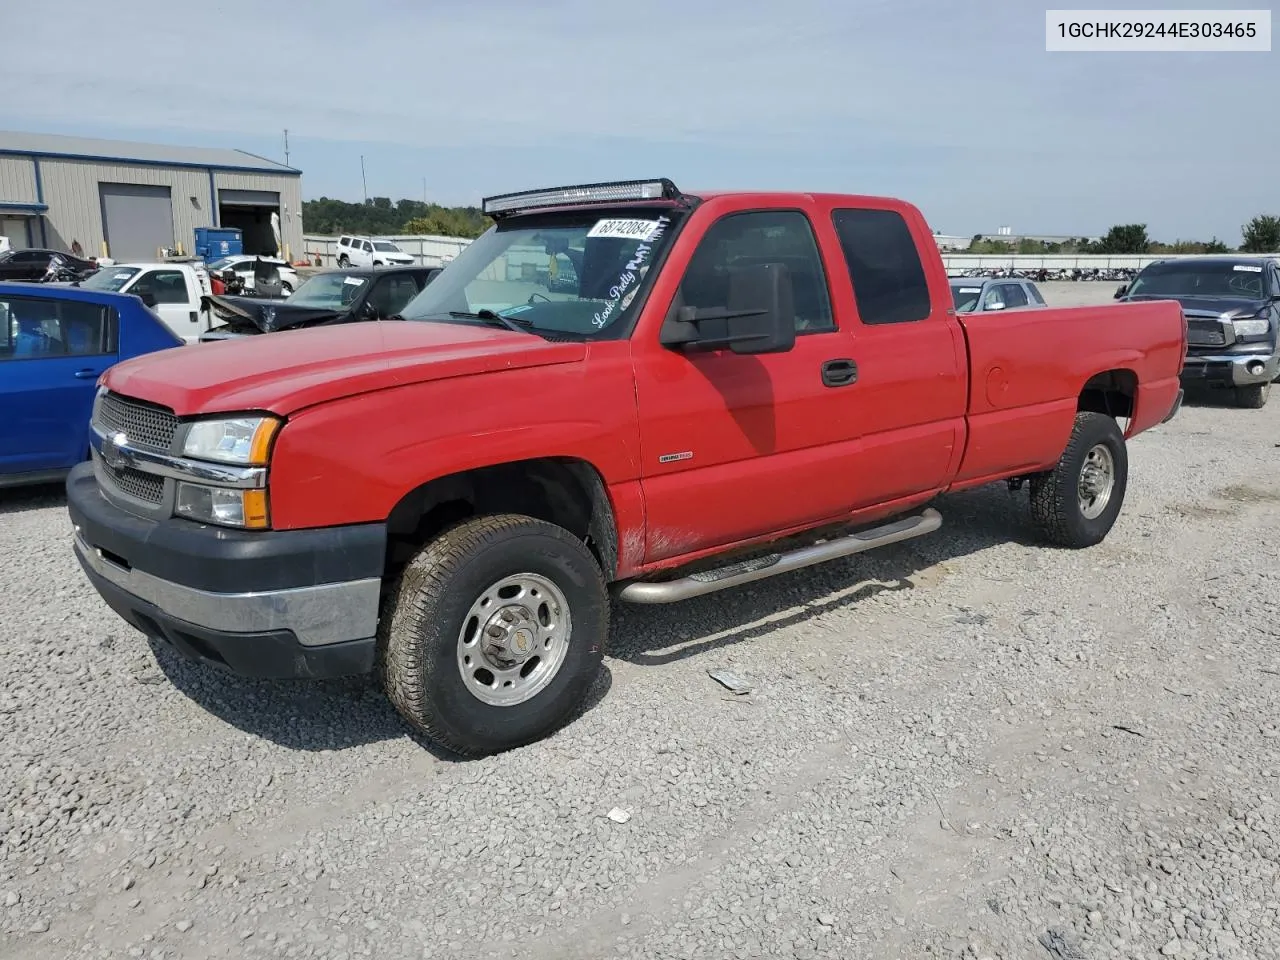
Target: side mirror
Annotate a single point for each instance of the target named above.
(367, 311)
(995, 305)
(149, 299)
(1121, 290)
(760, 316)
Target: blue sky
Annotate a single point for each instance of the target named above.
(956, 107)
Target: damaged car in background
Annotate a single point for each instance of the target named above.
(338, 296)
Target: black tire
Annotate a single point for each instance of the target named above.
(344, 262)
(1056, 507)
(1254, 396)
(419, 633)
(286, 289)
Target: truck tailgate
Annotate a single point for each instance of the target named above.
(1028, 367)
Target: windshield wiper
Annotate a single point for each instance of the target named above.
(492, 316)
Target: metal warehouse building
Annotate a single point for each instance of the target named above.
(128, 200)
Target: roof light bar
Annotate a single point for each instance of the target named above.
(609, 192)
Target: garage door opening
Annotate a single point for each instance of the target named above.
(137, 220)
(249, 211)
(17, 231)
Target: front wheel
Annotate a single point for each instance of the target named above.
(343, 262)
(1076, 504)
(494, 633)
(1254, 396)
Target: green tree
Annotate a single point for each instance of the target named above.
(1123, 238)
(379, 216)
(1216, 246)
(1261, 235)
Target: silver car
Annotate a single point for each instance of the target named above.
(979, 295)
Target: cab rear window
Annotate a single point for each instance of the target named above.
(884, 265)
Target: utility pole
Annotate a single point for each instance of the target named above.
(424, 191)
(363, 181)
(286, 148)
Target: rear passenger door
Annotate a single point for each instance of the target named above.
(912, 388)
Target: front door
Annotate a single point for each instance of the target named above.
(51, 355)
(391, 294)
(175, 302)
(739, 446)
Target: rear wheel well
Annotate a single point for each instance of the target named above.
(1114, 393)
(569, 493)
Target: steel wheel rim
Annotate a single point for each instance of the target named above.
(514, 639)
(1097, 481)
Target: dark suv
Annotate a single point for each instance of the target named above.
(1232, 306)
(349, 295)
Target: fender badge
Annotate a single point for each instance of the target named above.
(673, 457)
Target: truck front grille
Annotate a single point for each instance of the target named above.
(1206, 333)
(146, 487)
(144, 424)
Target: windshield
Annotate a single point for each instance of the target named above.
(567, 273)
(385, 246)
(1175, 279)
(328, 291)
(110, 278)
(965, 296)
(220, 265)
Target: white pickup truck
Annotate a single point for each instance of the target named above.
(173, 290)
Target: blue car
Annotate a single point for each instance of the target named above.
(55, 341)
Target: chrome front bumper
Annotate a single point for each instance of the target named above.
(1232, 369)
(318, 615)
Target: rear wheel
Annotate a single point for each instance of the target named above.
(494, 633)
(1254, 396)
(1076, 504)
(343, 261)
(286, 288)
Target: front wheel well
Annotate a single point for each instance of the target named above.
(1114, 393)
(567, 492)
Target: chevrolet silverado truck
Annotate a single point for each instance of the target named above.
(731, 386)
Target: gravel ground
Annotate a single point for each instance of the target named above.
(965, 746)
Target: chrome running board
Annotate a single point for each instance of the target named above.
(758, 568)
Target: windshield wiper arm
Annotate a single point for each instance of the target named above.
(492, 316)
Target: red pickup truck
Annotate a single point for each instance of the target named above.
(619, 388)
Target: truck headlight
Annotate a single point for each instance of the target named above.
(224, 506)
(245, 441)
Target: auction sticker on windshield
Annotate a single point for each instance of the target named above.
(624, 229)
(1247, 267)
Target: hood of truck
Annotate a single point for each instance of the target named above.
(299, 368)
(1224, 308)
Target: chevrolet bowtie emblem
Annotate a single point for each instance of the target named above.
(111, 449)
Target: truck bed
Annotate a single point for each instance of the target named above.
(1028, 367)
